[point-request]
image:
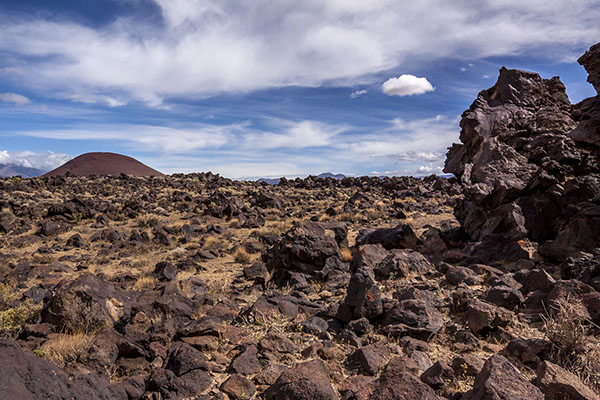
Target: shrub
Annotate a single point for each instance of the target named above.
(346, 254)
(212, 243)
(7, 296)
(13, 319)
(568, 327)
(83, 317)
(241, 256)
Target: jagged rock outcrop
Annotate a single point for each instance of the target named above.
(529, 164)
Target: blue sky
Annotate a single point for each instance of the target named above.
(262, 88)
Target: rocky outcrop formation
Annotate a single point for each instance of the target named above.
(27, 377)
(529, 164)
(86, 303)
(501, 380)
(308, 250)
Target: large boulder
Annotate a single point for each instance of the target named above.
(500, 380)
(524, 149)
(25, 376)
(412, 317)
(398, 383)
(557, 384)
(307, 381)
(87, 303)
(363, 297)
(304, 250)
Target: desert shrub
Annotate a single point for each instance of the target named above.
(66, 348)
(278, 228)
(346, 254)
(241, 256)
(568, 327)
(13, 319)
(212, 243)
(7, 296)
(144, 282)
(147, 221)
(83, 317)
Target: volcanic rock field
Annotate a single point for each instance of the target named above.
(481, 286)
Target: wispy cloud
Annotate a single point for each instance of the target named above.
(14, 98)
(203, 48)
(356, 94)
(279, 147)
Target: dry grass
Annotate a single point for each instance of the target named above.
(346, 254)
(240, 255)
(277, 228)
(261, 324)
(568, 327)
(82, 317)
(66, 348)
(147, 221)
(145, 283)
(212, 243)
(346, 216)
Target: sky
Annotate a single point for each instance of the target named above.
(265, 88)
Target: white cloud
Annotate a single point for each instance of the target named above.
(356, 94)
(242, 150)
(294, 135)
(16, 99)
(207, 47)
(406, 85)
(45, 161)
(186, 140)
(463, 69)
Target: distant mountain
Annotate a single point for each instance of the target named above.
(104, 164)
(7, 170)
(270, 181)
(332, 175)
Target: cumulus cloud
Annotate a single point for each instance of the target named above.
(14, 98)
(356, 94)
(406, 85)
(45, 161)
(206, 47)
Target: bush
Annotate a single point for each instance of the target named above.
(346, 254)
(568, 327)
(13, 319)
(241, 256)
(7, 296)
(83, 317)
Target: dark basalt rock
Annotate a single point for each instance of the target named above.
(305, 249)
(306, 381)
(500, 380)
(25, 376)
(525, 149)
(87, 302)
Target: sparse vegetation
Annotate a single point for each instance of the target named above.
(346, 254)
(568, 327)
(63, 348)
(240, 255)
(13, 319)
